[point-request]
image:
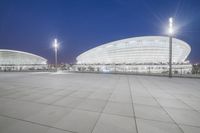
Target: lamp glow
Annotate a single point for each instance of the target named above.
(171, 30)
(56, 45)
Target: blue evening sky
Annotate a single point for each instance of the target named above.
(31, 25)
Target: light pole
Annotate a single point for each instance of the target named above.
(55, 45)
(171, 31)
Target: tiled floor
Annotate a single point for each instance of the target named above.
(98, 103)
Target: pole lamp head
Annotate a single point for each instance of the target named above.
(171, 29)
(55, 44)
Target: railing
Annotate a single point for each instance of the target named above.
(186, 71)
(178, 70)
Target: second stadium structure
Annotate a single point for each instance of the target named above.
(13, 60)
(137, 54)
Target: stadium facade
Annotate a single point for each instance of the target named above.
(137, 54)
(12, 60)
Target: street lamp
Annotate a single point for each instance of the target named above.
(171, 31)
(55, 45)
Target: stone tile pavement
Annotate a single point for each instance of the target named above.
(98, 103)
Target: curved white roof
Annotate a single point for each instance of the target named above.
(146, 49)
(14, 57)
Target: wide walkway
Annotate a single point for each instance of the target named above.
(98, 103)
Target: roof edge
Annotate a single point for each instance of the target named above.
(17, 51)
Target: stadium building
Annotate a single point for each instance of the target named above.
(148, 54)
(12, 60)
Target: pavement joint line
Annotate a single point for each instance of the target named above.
(35, 123)
(115, 114)
(19, 99)
(167, 122)
(154, 120)
(52, 104)
(192, 108)
(163, 107)
(179, 99)
(62, 97)
(101, 112)
(130, 91)
(157, 86)
(189, 106)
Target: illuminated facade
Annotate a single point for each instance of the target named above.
(18, 60)
(141, 54)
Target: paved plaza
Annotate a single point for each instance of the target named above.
(39, 102)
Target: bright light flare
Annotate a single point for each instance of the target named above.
(171, 29)
(55, 44)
